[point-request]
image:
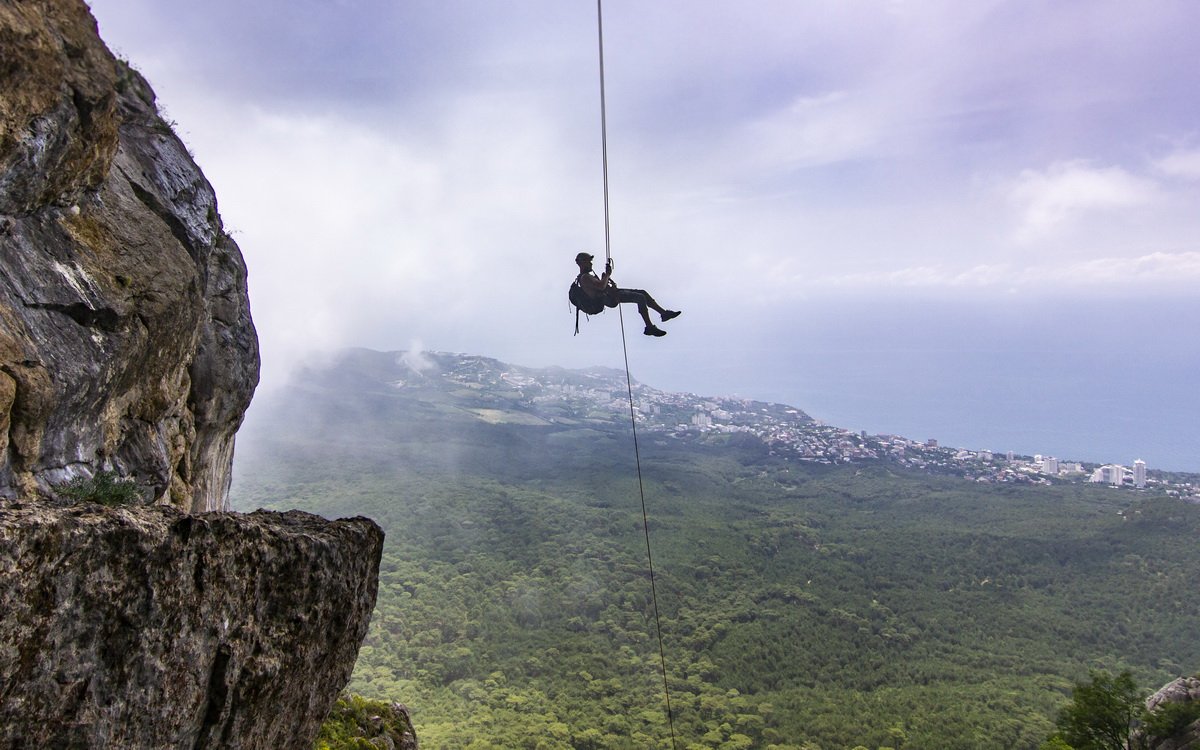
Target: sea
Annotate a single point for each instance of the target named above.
(1096, 380)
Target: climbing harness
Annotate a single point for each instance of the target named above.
(662, 655)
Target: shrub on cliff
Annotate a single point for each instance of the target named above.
(1170, 719)
(358, 723)
(105, 488)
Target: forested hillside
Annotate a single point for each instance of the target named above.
(803, 606)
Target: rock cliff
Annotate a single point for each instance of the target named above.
(126, 342)
(127, 350)
(145, 627)
(1183, 731)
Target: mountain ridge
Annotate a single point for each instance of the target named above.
(491, 389)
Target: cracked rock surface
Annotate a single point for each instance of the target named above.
(146, 627)
(126, 342)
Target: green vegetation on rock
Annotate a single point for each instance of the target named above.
(1170, 719)
(358, 723)
(105, 488)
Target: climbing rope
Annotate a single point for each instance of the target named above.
(662, 654)
(604, 137)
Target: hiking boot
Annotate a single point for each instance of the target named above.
(654, 331)
(670, 314)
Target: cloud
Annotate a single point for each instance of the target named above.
(414, 358)
(815, 130)
(1165, 268)
(1155, 269)
(352, 235)
(1068, 190)
(427, 170)
(1183, 164)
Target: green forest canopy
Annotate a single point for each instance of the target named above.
(802, 606)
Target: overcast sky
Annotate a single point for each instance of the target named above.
(971, 220)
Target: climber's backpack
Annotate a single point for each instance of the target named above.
(588, 304)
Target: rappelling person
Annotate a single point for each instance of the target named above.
(603, 292)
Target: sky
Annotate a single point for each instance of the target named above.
(973, 221)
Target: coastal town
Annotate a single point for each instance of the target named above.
(600, 397)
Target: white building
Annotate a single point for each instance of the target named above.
(1050, 466)
(701, 420)
(1109, 474)
(1139, 473)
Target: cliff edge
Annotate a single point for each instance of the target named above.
(147, 627)
(126, 343)
(127, 352)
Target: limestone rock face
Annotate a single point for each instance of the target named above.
(126, 342)
(145, 627)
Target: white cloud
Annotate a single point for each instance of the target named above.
(811, 131)
(426, 170)
(1184, 164)
(1164, 268)
(1068, 190)
(347, 229)
(1158, 269)
(414, 358)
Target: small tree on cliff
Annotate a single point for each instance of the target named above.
(1100, 714)
(106, 488)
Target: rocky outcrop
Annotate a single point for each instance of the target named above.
(126, 342)
(146, 627)
(1181, 690)
(127, 350)
(1180, 698)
